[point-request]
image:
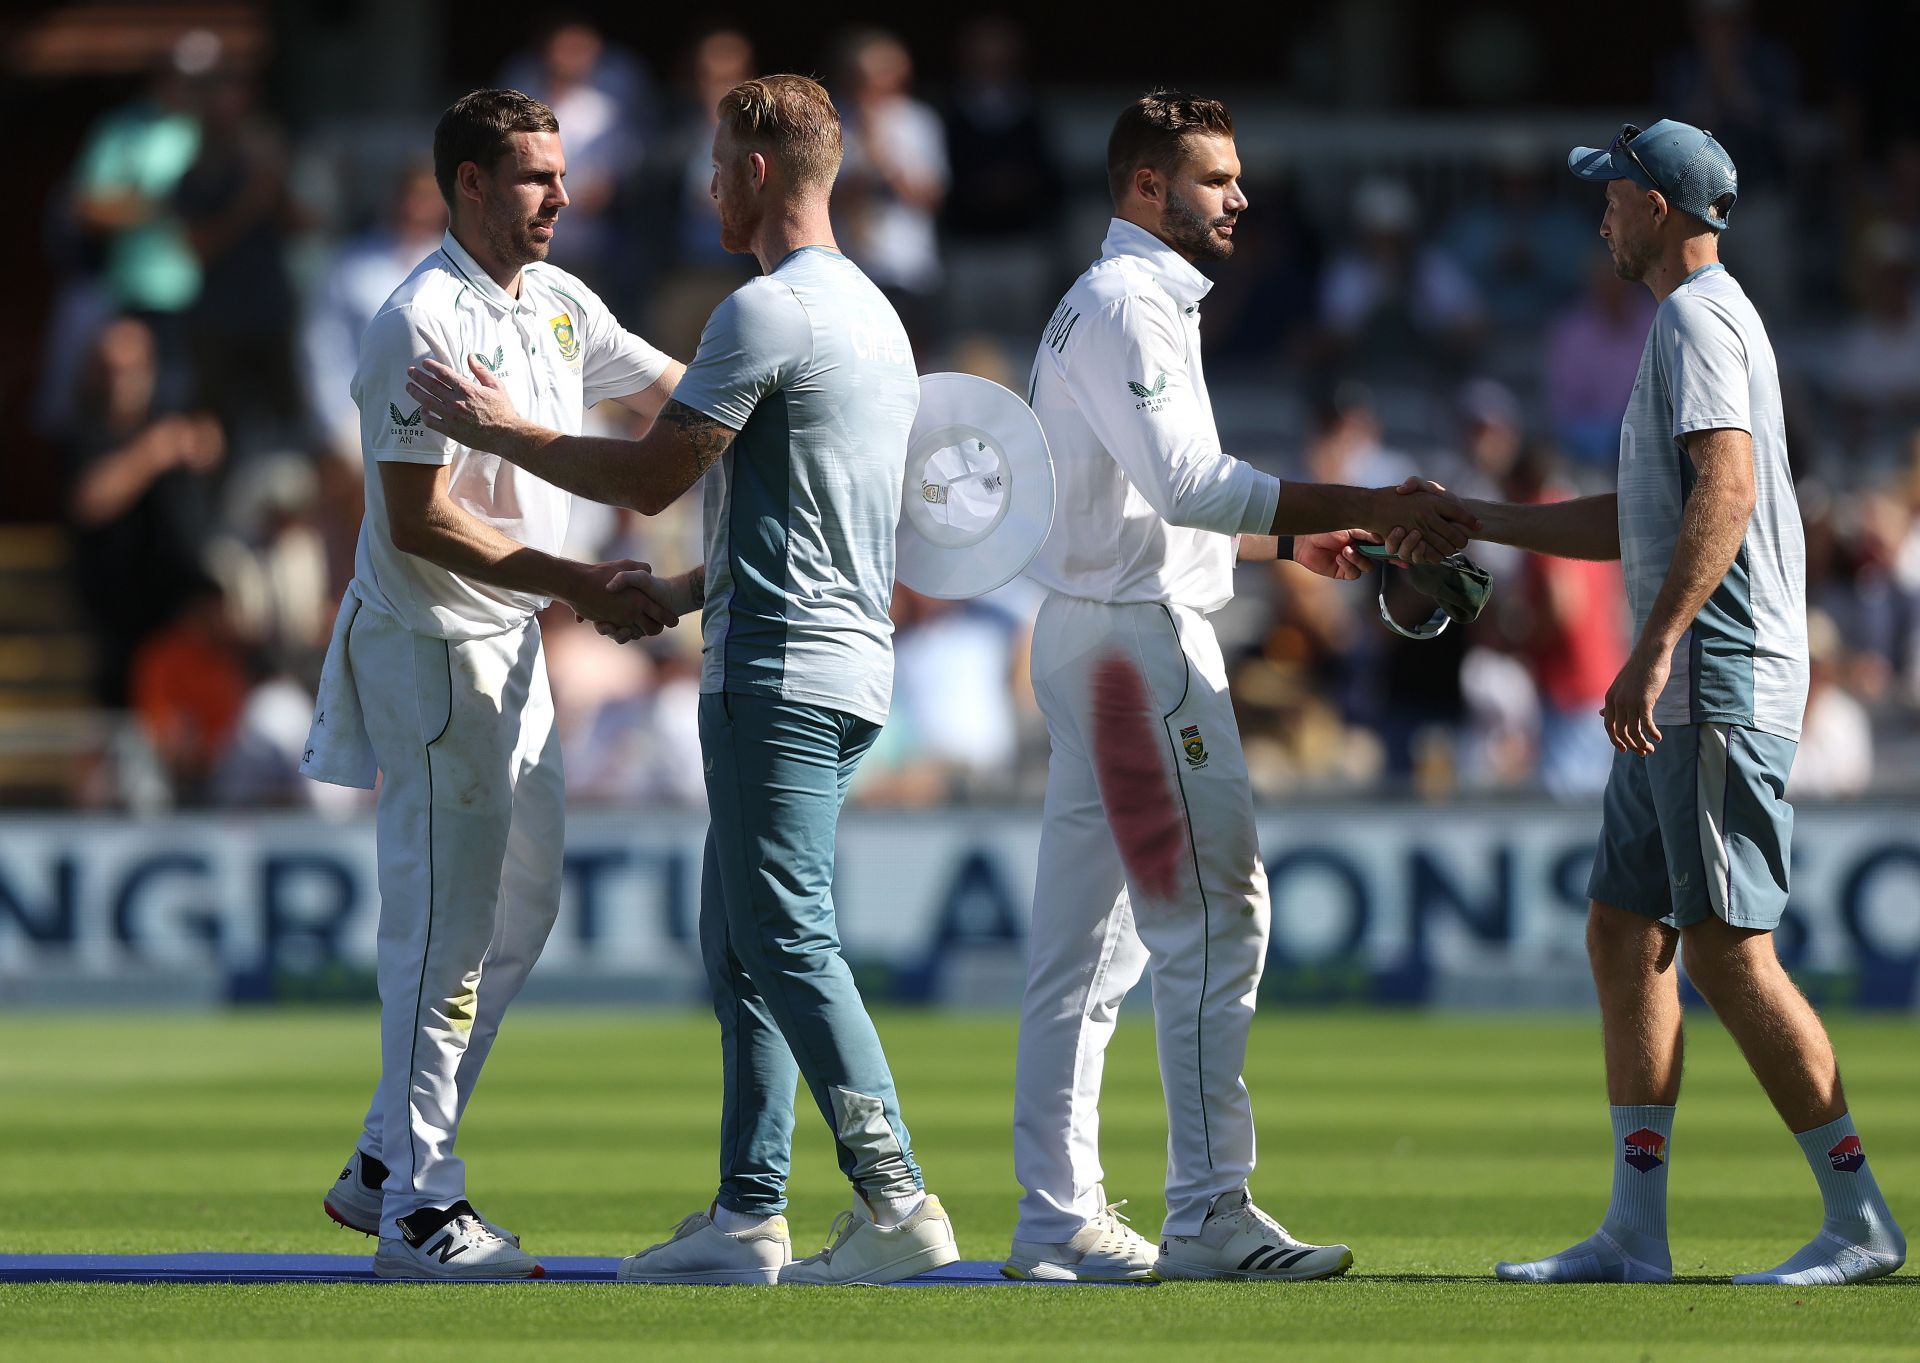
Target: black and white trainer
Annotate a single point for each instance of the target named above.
(354, 1200)
(450, 1244)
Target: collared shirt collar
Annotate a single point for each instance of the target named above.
(482, 282)
(1179, 278)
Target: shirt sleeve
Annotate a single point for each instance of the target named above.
(617, 363)
(1707, 373)
(1128, 375)
(757, 341)
(392, 427)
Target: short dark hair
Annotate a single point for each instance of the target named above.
(792, 120)
(476, 127)
(1153, 131)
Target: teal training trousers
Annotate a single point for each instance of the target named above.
(777, 774)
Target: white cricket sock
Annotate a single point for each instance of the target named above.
(889, 1212)
(732, 1222)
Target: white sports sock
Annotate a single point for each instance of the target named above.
(1637, 1214)
(889, 1212)
(732, 1222)
(1848, 1190)
(1858, 1238)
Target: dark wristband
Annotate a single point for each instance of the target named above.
(1283, 551)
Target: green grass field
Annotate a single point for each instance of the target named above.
(1434, 1146)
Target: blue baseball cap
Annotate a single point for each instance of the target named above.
(1683, 162)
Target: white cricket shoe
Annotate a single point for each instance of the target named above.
(354, 1200)
(1104, 1250)
(1238, 1240)
(462, 1249)
(700, 1252)
(862, 1252)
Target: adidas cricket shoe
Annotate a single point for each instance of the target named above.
(354, 1200)
(700, 1252)
(1105, 1250)
(1238, 1240)
(453, 1244)
(861, 1252)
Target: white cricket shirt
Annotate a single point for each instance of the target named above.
(557, 349)
(1146, 503)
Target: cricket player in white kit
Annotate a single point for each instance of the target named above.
(435, 674)
(1148, 855)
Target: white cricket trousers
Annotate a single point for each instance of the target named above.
(472, 815)
(1148, 862)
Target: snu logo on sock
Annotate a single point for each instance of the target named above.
(1642, 1149)
(1847, 1157)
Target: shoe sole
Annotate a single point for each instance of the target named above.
(412, 1276)
(920, 1261)
(1059, 1273)
(340, 1220)
(1172, 1270)
(733, 1277)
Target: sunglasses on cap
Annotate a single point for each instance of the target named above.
(1623, 141)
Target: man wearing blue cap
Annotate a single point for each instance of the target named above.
(1705, 718)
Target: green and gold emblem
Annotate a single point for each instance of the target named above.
(563, 334)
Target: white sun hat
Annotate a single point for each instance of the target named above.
(978, 499)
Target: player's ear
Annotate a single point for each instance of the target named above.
(758, 169)
(1146, 183)
(466, 180)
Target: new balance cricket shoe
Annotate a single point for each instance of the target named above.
(354, 1200)
(1238, 1240)
(1104, 1250)
(451, 1244)
(861, 1252)
(700, 1252)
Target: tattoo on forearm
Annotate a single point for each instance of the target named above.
(704, 436)
(697, 585)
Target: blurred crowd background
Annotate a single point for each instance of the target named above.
(223, 194)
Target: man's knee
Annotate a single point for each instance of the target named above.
(1621, 943)
(1720, 958)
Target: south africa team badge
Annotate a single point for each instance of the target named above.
(1196, 750)
(563, 333)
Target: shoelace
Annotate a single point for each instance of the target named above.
(842, 1229)
(686, 1223)
(1114, 1236)
(1249, 1212)
(476, 1229)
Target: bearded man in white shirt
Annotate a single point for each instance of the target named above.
(1149, 858)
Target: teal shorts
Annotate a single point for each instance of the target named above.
(1700, 827)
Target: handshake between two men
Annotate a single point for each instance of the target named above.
(1417, 523)
(624, 600)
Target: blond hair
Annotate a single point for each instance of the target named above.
(792, 120)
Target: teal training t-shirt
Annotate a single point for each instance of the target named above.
(1708, 365)
(811, 366)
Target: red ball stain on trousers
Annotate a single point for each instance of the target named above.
(1144, 809)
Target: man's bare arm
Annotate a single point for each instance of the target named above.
(1442, 521)
(647, 474)
(1712, 528)
(425, 522)
(1583, 527)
